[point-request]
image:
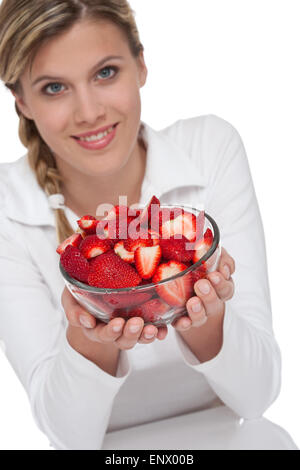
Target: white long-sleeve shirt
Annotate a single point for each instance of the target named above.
(74, 402)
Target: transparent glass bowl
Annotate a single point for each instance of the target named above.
(106, 304)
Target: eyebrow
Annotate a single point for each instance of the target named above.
(99, 64)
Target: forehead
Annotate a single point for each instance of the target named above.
(84, 44)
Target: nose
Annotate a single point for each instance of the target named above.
(88, 108)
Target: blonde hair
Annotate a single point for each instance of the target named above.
(24, 26)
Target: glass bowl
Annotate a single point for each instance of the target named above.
(148, 300)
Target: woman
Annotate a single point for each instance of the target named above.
(74, 68)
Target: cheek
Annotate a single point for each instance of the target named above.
(52, 120)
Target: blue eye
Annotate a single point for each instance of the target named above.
(106, 69)
(54, 88)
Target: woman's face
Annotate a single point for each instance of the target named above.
(82, 96)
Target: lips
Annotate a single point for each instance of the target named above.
(97, 131)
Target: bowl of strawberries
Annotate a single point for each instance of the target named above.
(142, 265)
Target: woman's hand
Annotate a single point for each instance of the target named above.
(212, 292)
(117, 331)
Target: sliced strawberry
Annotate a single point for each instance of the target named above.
(175, 292)
(184, 224)
(127, 299)
(150, 311)
(75, 264)
(176, 249)
(146, 260)
(154, 309)
(121, 251)
(111, 272)
(202, 246)
(133, 245)
(93, 246)
(199, 273)
(154, 237)
(73, 240)
(88, 224)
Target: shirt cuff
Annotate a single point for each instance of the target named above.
(80, 365)
(189, 357)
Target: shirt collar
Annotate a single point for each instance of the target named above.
(167, 167)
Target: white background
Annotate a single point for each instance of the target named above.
(238, 59)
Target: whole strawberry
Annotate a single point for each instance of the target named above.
(75, 264)
(112, 272)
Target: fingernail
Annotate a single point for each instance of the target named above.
(134, 328)
(226, 272)
(117, 328)
(85, 322)
(196, 307)
(215, 279)
(148, 336)
(204, 287)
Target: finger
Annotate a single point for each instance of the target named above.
(226, 264)
(196, 312)
(106, 332)
(182, 323)
(207, 294)
(162, 332)
(223, 288)
(131, 333)
(148, 334)
(75, 313)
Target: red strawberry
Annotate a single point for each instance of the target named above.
(133, 245)
(121, 251)
(111, 272)
(175, 292)
(184, 224)
(146, 260)
(202, 246)
(73, 240)
(154, 309)
(176, 249)
(93, 246)
(88, 224)
(75, 264)
(127, 299)
(199, 273)
(150, 311)
(150, 211)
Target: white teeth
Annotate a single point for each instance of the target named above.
(100, 136)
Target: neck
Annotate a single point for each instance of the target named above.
(83, 193)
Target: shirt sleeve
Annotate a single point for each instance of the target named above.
(246, 374)
(71, 398)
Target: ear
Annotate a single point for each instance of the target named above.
(22, 106)
(143, 71)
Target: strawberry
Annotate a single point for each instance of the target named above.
(128, 299)
(199, 273)
(202, 246)
(133, 245)
(111, 272)
(146, 260)
(75, 264)
(175, 292)
(150, 211)
(150, 311)
(176, 249)
(121, 251)
(88, 224)
(154, 309)
(73, 240)
(184, 224)
(93, 246)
